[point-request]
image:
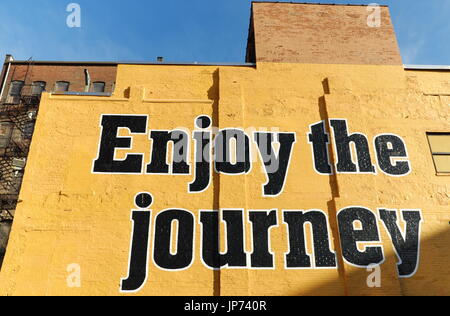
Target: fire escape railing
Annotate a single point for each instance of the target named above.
(21, 115)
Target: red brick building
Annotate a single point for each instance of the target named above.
(22, 83)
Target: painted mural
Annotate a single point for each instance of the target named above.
(207, 180)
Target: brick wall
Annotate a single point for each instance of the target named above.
(51, 73)
(322, 34)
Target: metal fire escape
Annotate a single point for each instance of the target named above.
(19, 113)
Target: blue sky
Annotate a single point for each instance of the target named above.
(185, 30)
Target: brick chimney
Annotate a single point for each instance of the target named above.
(321, 34)
(9, 58)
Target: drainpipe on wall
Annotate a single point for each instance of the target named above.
(9, 59)
(87, 80)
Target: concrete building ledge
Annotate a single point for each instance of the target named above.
(426, 67)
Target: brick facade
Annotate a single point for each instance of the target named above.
(18, 116)
(320, 34)
(54, 72)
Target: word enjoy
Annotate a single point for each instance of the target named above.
(229, 152)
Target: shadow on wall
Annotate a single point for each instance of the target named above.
(431, 279)
(5, 229)
(433, 274)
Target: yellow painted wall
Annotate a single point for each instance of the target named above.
(69, 215)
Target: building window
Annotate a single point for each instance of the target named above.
(28, 130)
(16, 88)
(98, 87)
(15, 91)
(38, 87)
(5, 133)
(62, 86)
(440, 148)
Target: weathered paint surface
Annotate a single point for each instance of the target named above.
(70, 215)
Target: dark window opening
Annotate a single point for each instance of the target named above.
(6, 129)
(16, 88)
(98, 87)
(38, 87)
(15, 91)
(62, 86)
(28, 130)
